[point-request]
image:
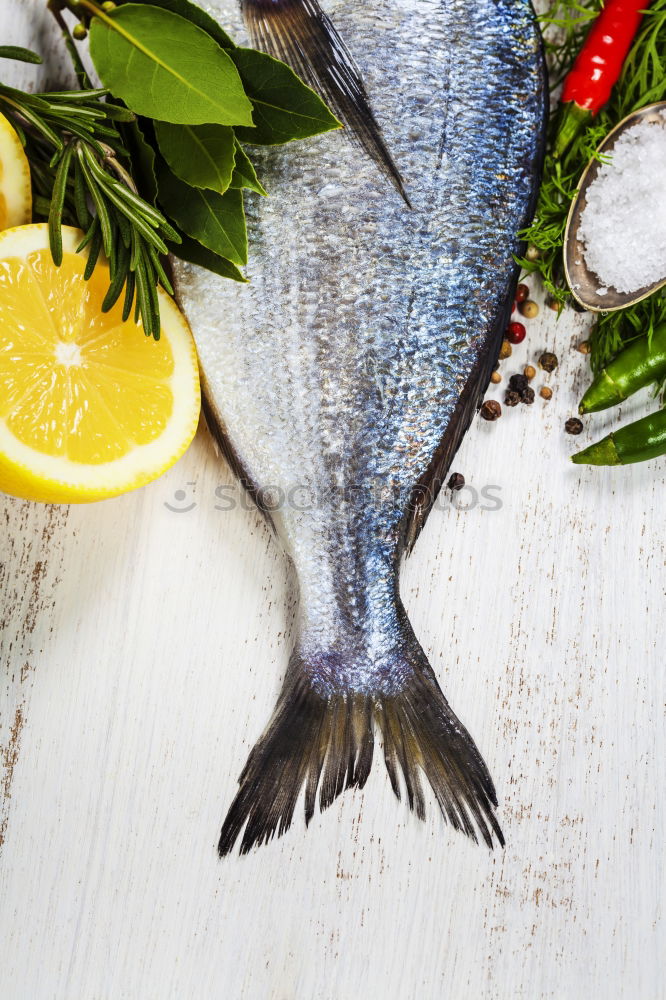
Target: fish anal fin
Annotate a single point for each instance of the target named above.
(217, 430)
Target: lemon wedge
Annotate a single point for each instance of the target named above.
(15, 193)
(90, 406)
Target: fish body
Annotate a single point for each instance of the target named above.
(341, 379)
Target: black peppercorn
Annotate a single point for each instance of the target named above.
(491, 410)
(527, 395)
(548, 361)
(511, 397)
(573, 425)
(518, 383)
(456, 481)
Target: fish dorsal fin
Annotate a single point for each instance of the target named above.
(300, 34)
(427, 488)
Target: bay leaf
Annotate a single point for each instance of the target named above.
(192, 251)
(196, 15)
(200, 155)
(244, 175)
(163, 67)
(215, 220)
(284, 107)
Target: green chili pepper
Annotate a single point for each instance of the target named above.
(637, 442)
(636, 366)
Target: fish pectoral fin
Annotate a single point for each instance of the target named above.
(300, 34)
(325, 744)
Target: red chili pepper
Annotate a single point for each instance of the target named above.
(597, 67)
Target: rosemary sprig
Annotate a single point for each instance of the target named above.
(643, 81)
(96, 161)
(80, 177)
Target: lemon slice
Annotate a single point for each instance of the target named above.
(15, 194)
(90, 406)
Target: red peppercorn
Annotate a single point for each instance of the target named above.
(516, 333)
(522, 292)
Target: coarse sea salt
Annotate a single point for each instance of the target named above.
(623, 225)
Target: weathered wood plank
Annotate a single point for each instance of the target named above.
(156, 653)
(31, 559)
(31, 546)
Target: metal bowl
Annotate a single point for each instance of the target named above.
(583, 282)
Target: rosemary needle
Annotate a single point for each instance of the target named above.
(75, 149)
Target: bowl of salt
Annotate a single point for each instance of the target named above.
(615, 237)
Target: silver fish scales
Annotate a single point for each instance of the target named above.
(341, 380)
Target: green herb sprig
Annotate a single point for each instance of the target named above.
(643, 81)
(154, 162)
(79, 171)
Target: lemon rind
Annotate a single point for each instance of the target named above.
(16, 186)
(29, 473)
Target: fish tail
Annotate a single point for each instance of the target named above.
(299, 33)
(323, 743)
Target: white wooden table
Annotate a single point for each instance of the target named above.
(142, 650)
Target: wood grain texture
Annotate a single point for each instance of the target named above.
(31, 550)
(156, 643)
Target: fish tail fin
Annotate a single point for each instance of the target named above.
(422, 735)
(299, 33)
(324, 742)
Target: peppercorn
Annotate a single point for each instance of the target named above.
(585, 347)
(529, 309)
(505, 350)
(573, 425)
(518, 383)
(456, 481)
(548, 361)
(546, 392)
(516, 333)
(532, 253)
(529, 372)
(527, 395)
(491, 410)
(522, 291)
(511, 397)
(555, 305)
(495, 378)
(79, 32)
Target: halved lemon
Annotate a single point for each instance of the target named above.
(90, 406)
(15, 193)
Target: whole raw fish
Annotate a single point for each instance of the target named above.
(341, 380)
